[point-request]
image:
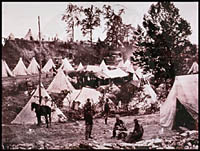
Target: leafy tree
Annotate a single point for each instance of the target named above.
(71, 17)
(128, 31)
(161, 43)
(114, 26)
(91, 20)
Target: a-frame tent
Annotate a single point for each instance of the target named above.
(33, 67)
(194, 68)
(80, 67)
(103, 66)
(81, 97)
(148, 90)
(27, 116)
(127, 63)
(29, 35)
(48, 66)
(184, 94)
(11, 36)
(66, 66)
(59, 83)
(20, 68)
(6, 70)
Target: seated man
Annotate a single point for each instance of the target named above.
(137, 133)
(119, 125)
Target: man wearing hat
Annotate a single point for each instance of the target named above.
(137, 133)
(88, 116)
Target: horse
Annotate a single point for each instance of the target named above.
(41, 110)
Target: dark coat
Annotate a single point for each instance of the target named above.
(106, 107)
(119, 124)
(88, 116)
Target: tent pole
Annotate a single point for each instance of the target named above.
(40, 98)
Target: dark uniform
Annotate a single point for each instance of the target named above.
(88, 116)
(106, 110)
(119, 125)
(137, 133)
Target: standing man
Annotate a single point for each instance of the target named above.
(106, 110)
(88, 116)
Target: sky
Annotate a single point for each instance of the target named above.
(18, 17)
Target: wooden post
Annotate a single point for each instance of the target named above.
(40, 97)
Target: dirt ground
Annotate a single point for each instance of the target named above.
(66, 134)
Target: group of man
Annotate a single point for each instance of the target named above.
(119, 129)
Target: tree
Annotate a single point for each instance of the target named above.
(128, 31)
(91, 20)
(71, 17)
(162, 41)
(114, 26)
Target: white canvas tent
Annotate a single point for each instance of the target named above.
(127, 63)
(120, 64)
(6, 70)
(33, 67)
(29, 35)
(59, 83)
(80, 67)
(184, 90)
(27, 116)
(20, 68)
(66, 66)
(137, 76)
(81, 96)
(128, 67)
(116, 73)
(103, 66)
(11, 36)
(139, 72)
(48, 66)
(149, 91)
(194, 68)
(93, 68)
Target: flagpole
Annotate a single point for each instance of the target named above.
(40, 98)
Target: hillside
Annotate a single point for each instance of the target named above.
(79, 52)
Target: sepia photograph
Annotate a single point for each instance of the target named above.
(100, 75)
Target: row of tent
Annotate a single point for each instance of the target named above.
(59, 83)
(121, 70)
(33, 68)
(30, 36)
(179, 92)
